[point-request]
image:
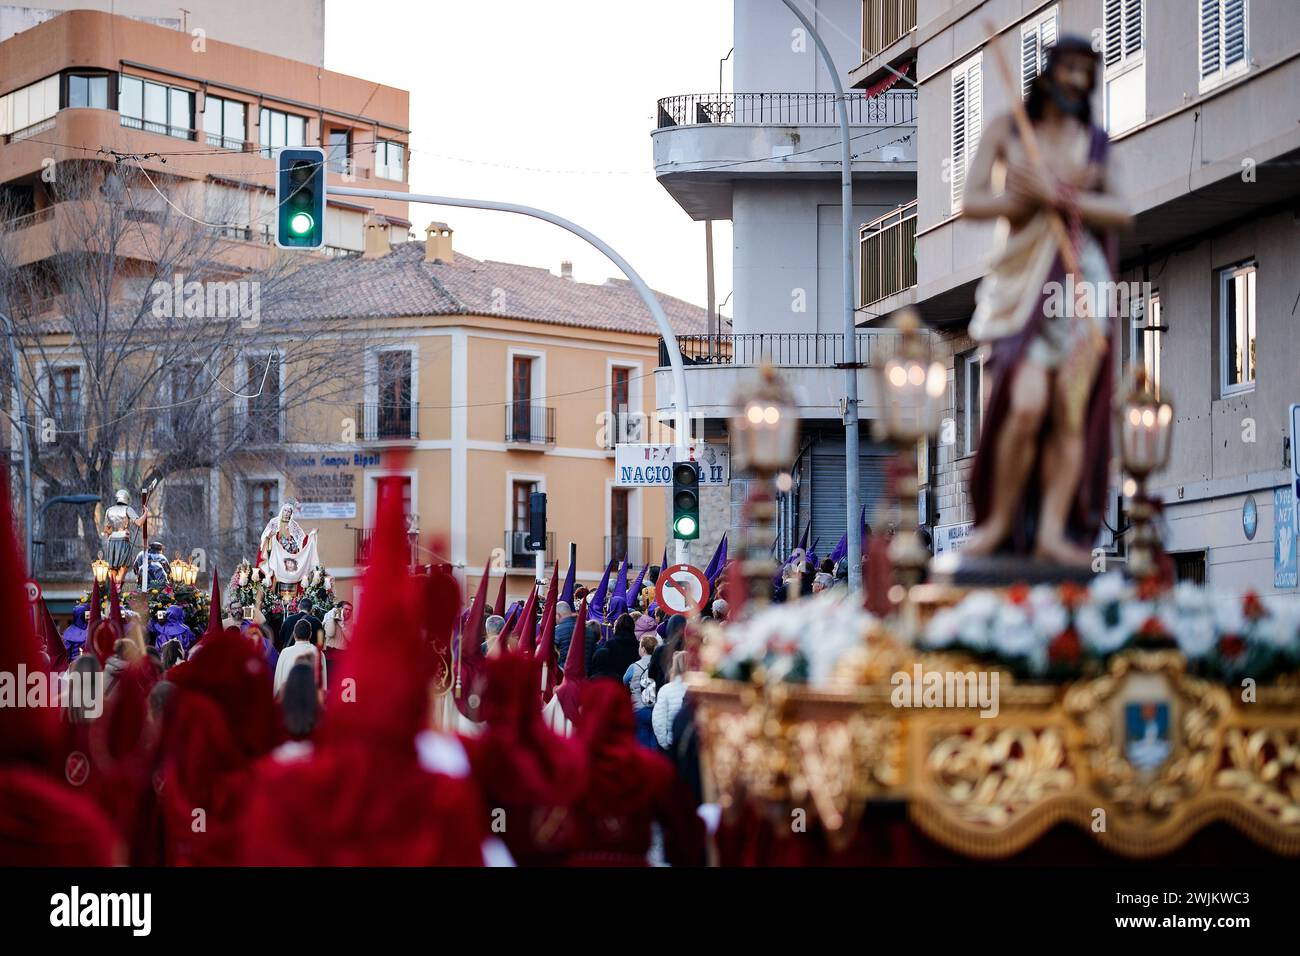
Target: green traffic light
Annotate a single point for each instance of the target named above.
(685, 526)
(301, 223)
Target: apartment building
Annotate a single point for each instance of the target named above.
(475, 382)
(294, 29)
(202, 119)
(1197, 100)
(766, 157)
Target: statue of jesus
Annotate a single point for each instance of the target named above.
(1041, 473)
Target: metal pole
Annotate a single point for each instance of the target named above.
(681, 401)
(711, 322)
(852, 495)
(27, 446)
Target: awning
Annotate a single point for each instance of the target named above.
(888, 80)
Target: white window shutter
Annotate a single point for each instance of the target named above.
(1211, 61)
(1028, 57)
(1113, 30)
(1234, 32)
(974, 108)
(1047, 33)
(958, 168)
(1134, 27)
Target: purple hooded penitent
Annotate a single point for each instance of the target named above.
(74, 637)
(175, 628)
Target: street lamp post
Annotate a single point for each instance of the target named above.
(852, 493)
(1146, 432)
(26, 436)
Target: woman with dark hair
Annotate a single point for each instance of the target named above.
(592, 631)
(172, 654)
(616, 655)
(300, 701)
(674, 641)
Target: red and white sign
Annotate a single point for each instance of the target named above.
(681, 589)
(33, 592)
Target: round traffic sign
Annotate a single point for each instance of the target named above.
(681, 589)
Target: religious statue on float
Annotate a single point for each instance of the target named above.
(160, 569)
(286, 551)
(117, 528)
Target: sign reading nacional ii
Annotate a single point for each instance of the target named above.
(652, 465)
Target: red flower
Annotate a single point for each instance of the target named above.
(1018, 593)
(1073, 595)
(1152, 627)
(1065, 648)
(1150, 588)
(1232, 645)
(1252, 606)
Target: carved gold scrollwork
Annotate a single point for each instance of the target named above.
(1263, 766)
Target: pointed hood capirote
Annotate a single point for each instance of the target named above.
(467, 667)
(214, 607)
(575, 667)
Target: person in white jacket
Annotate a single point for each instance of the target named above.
(669, 701)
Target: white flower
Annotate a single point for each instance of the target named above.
(1103, 637)
(1107, 588)
(1229, 617)
(1192, 628)
(942, 629)
(1012, 633)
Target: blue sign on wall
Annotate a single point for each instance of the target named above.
(1284, 543)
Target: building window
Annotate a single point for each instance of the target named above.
(340, 151)
(1035, 37)
(521, 393)
(619, 502)
(155, 107)
(967, 113)
(1144, 346)
(276, 130)
(1124, 33)
(390, 160)
(88, 91)
(521, 493)
(262, 378)
(1224, 34)
(624, 418)
(1237, 327)
(65, 398)
(185, 516)
(970, 395)
(223, 122)
(261, 504)
(394, 381)
(29, 106)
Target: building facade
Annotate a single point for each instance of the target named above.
(767, 157)
(1195, 99)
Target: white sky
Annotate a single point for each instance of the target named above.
(569, 85)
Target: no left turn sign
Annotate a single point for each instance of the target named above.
(681, 589)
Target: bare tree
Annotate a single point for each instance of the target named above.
(157, 329)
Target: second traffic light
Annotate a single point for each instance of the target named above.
(686, 500)
(300, 197)
(537, 521)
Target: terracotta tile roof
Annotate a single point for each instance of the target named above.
(403, 284)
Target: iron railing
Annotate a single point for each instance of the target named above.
(26, 132)
(63, 554)
(28, 219)
(638, 551)
(884, 22)
(253, 232)
(782, 349)
(624, 427)
(151, 126)
(519, 555)
(226, 142)
(895, 107)
(361, 546)
(387, 423)
(528, 424)
(888, 254)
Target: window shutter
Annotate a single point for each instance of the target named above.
(958, 170)
(1028, 57)
(1134, 13)
(1113, 28)
(1234, 32)
(1210, 38)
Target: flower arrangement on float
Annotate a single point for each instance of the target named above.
(248, 578)
(193, 600)
(1065, 632)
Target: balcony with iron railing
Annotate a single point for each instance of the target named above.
(529, 425)
(387, 423)
(152, 126)
(364, 537)
(888, 254)
(519, 555)
(638, 551)
(703, 143)
(812, 364)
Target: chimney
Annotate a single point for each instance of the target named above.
(376, 238)
(566, 269)
(437, 243)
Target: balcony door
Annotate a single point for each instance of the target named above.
(619, 508)
(394, 373)
(521, 392)
(521, 493)
(65, 398)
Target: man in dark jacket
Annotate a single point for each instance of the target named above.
(306, 612)
(621, 651)
(564, 622)
(674, 640)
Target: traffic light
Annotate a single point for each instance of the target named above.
(686, 500)
(537, 521)
(300, 197)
